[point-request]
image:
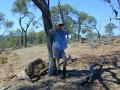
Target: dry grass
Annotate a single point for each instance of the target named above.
(3, 60)
(78, 49)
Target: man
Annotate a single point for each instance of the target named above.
(59, 45)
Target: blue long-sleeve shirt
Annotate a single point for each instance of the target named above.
(60, 41)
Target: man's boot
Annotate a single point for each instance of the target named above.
(63, 75)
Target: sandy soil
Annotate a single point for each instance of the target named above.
(12, 74)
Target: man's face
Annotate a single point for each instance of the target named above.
(60, 27)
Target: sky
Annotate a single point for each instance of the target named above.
(97, 8)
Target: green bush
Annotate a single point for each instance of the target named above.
(8, 42)
(36, 37)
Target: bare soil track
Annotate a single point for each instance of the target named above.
(13, 77)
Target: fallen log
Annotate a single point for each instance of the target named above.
(94, 75)
(96, 71)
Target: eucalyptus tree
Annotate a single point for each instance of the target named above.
(92, 23)
(81, 21)
(85, 31)
(91, 35)
(17, 33)
(5, 24)
(109, 29)
(31, 36)
(64, 14)
(8, 24)
(115, 6)
(26, 17)
(20, 7)
(2, 19)
(43, 6)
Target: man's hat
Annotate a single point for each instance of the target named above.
(60, 23)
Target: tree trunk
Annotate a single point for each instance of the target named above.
(22, 32)
(25, 39)
(49, 38)
(79, 27)
(98, 34)
(22, 38)
(42, 5)
(78, 34)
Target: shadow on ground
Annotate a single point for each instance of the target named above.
(70, 84)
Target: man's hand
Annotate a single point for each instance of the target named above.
(51, 30)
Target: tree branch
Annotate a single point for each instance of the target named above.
(30, 21)
(114, 10)
(42, 5)
(20, 22)
(61, 12)
(118, 3)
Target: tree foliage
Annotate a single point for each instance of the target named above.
(5, 24)
(2, 18)
(12, 39)
(8, 24)
(20, 6)
(109, 28)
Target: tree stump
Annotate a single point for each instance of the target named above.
(34, 68)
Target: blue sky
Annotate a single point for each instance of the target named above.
(96, 8)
